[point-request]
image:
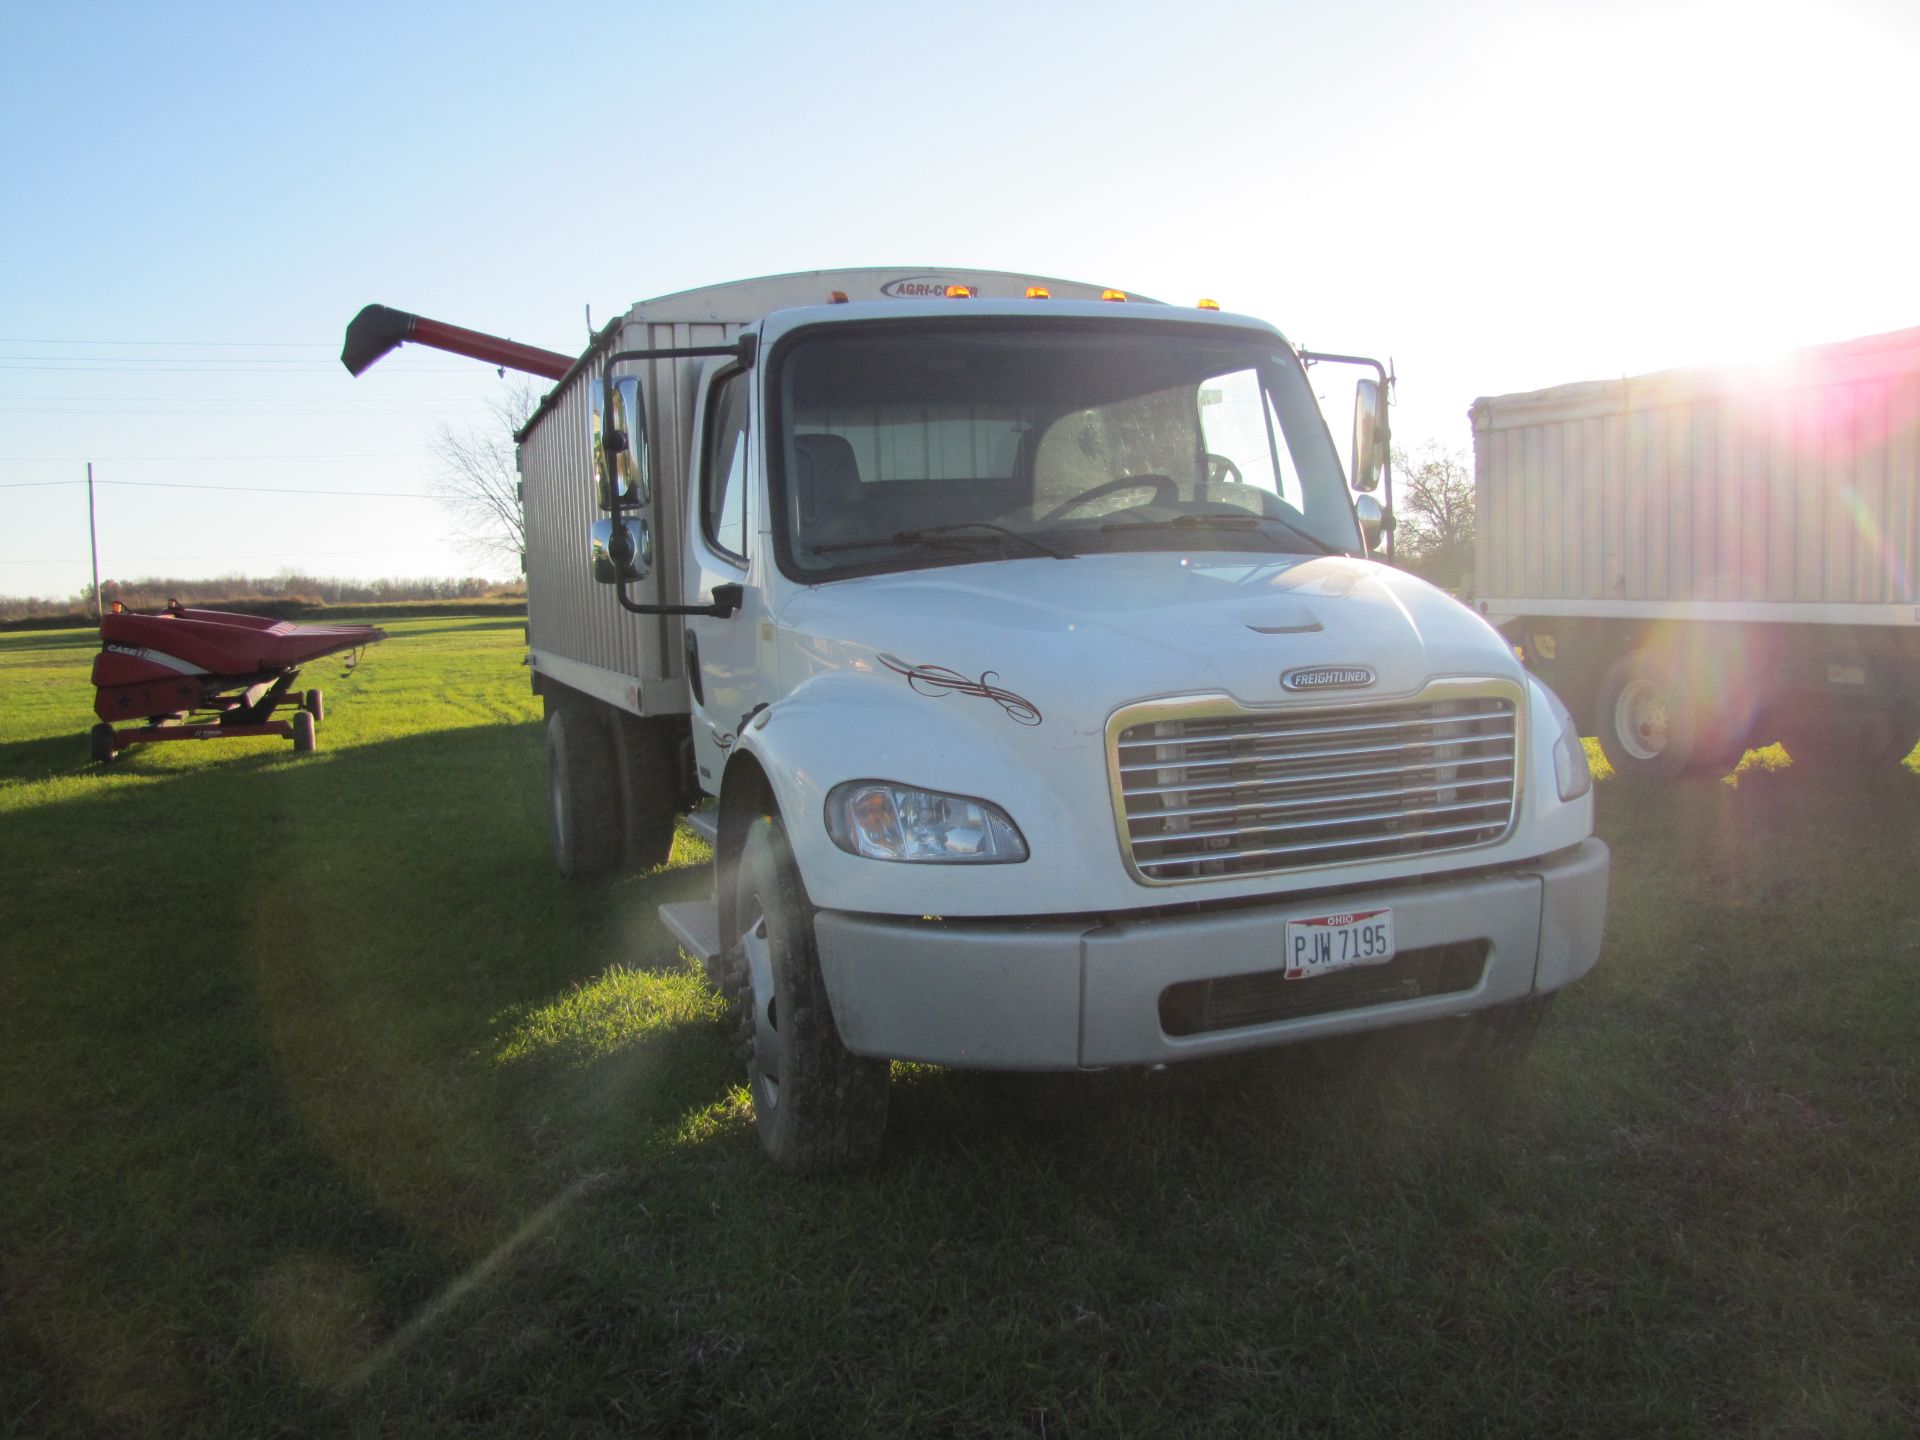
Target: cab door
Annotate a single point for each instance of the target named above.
(723, 677)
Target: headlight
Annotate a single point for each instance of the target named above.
(885, 821)
(1571, 775)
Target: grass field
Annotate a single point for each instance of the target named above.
(326, 1108)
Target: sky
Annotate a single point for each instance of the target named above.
(195, 199)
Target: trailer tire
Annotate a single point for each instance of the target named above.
(1829, 740)
(1648, 719)
(305, 741)
(100, 743)
(582, 808)
(315, 704)
(817, 1106)
(649, 790)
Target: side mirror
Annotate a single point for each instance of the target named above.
(620, 451)
(1375, 521)
(1369, 436)
(621, 550)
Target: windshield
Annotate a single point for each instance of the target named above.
(907, 447)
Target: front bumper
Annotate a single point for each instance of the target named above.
(1059, 995)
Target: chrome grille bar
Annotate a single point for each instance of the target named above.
(1260, 792)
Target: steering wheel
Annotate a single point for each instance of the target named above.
(1162, 486)
(1221, 469)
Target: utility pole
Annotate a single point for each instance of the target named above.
(93, 541)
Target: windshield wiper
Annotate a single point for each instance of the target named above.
(934, 535)
(1216, 521)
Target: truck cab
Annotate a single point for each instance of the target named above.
(1025, 655)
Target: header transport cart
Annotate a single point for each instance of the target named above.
(1025, 636)
(209, 675)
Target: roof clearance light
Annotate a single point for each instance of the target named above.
(1039, 292)
(1113, 294)
(960, 292)
(1209, 305)
(836, 297)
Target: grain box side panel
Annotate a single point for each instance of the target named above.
(1593, 466)
(1703, 498)
(1839, 451)
(1903, 489)
(1513, 511)
(1870, 525)
(1486, 527)
(1809, 497)
(1783, 494)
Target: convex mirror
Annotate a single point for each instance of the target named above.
(1375, 520)
(622, 553)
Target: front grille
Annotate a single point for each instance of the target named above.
(1260, 793)
(1198, 1007)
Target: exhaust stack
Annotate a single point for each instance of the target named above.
(378, 329)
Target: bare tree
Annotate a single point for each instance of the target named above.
(476, 479)
(1434, 513)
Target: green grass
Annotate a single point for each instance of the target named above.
(326, 1108)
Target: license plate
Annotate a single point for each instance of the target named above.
(1328, 943)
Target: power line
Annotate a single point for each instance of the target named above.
(132, 365)
(241, 399)
(189, 344)
(169, 459)
(256, 555)
(241, 489)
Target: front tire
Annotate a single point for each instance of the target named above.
(817, 1106)
(1648, 724)
(100, 742)
(305, 741)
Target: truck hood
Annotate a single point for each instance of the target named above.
(1072, 640)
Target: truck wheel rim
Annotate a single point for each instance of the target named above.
(1641, 719)
(766, 1033)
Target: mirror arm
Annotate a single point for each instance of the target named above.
(726, 600)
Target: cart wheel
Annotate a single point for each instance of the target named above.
(100, 738)
(305, 742)
(315, 705)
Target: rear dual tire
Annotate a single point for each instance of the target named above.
(581, 805)
(611, 797)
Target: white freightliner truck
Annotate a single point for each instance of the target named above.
(1701, 561)
(1025, 637)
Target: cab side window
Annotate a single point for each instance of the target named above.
(724, 492)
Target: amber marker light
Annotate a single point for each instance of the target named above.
(1208, 305)
(836, 297)
(959, 292)
(1039, 292)
(1113, 294)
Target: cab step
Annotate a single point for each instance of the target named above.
(696, 925)
(705, 824)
